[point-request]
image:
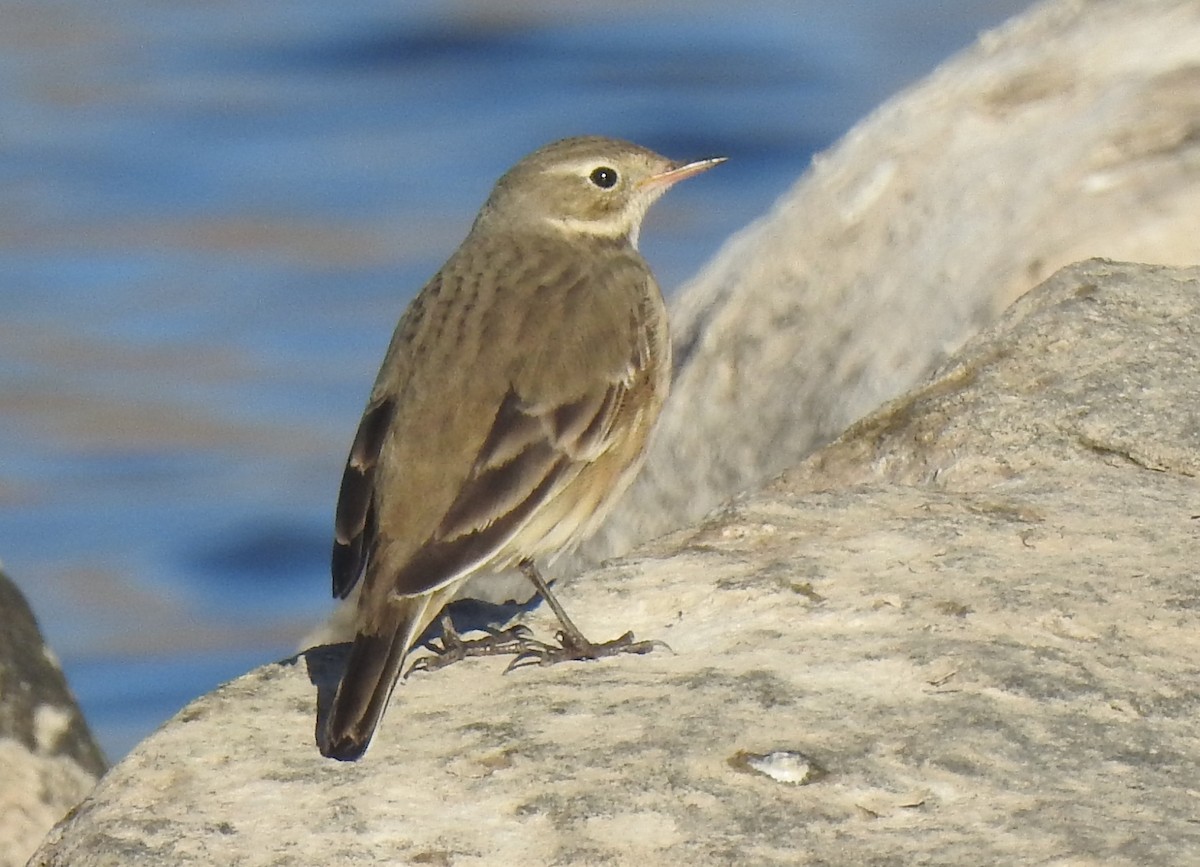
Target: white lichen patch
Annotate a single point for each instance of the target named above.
(50, 723)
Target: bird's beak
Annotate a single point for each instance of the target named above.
(671, 176)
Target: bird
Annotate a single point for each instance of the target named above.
(513, 407)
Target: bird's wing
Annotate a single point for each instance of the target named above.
(447, 466)
(354, 522)
(531, 452)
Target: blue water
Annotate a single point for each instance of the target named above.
(211, 216)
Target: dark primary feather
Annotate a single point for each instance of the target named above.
(354, 521)
(516, 461)
(440, 561)
(582, 427)
(529, 453)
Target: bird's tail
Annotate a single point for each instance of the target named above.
(371, 674)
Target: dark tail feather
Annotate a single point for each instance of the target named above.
(371, 674)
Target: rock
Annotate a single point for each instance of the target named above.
(963, 633)
(1072, 131)
(1069, 132)
(48, 758)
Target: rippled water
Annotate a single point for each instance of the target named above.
(213, 214)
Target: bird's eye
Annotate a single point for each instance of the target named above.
(603, 177)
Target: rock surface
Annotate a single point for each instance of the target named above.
(974, 611)
(1072, 131)
(48, 759)
(1069, 132)
(969, 624)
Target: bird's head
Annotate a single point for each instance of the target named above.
(587, 186)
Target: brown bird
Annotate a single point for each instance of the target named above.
(512, 409)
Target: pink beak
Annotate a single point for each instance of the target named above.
(678, 173)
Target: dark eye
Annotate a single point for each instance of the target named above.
(603, 177)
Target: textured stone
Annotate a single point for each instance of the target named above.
(973, 614)
(1069, 132)
(48, 759)
(1072, 131)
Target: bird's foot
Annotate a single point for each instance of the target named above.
(572, 647)
(451, 647)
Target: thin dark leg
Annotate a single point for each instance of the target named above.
(574, 644)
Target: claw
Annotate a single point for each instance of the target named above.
(452, 648)
(571, 648)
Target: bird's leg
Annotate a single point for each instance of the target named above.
(573, 644)
(499, 642)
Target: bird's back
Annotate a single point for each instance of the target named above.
(547, 327)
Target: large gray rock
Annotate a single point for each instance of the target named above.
(975, 614)
(48, 759)
(1070, 132)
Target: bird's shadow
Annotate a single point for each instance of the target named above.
(327, 662)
